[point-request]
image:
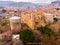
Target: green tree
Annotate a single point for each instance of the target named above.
(26, 35)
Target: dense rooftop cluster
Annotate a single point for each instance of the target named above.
(42, 21)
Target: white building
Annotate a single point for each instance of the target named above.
(15, 37)
(49, 18)
(15, 23)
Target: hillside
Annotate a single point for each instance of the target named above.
(18, 4)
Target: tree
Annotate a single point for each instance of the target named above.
(55, 19)
(26, 36)
(3, 10)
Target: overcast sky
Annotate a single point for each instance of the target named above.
(33, 1)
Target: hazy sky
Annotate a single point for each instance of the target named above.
(33, 1)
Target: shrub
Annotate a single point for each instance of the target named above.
(26, 35)
(45, 30)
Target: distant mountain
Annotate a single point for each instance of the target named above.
(18, 4)
(56, 2)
